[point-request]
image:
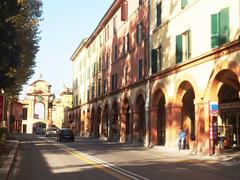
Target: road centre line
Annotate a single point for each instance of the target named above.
(92, 160)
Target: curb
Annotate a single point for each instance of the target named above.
(8, 163)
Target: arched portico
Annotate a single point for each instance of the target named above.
(158, 118)
(139, 124)
(105, 122)
(115, 125)
(126, 122)
(186, 119)
(225, 91)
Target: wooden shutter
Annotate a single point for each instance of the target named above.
(159, 13)
(124, 11)
(154, 61)
(179, 49)
(184, 3)
(214, 30)
(224, 26)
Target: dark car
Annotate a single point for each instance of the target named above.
(65, 134)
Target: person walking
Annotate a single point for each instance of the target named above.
(181, 139)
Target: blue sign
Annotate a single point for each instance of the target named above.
(213, 107)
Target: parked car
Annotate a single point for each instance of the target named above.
(51, 131)
(65, 134)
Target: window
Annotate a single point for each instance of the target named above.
(154, 61)
(114, 24)
(107, 33)
(184, 3)
(159, 13)
(139, 32)
(183, 46)
(140, 68)
(107, 60)
(93, 89)
(114, 81)
(115, 53)
(160, 59)
(124, 10)
(105, 86)
(126, 75)
(99, 88)
(25, 111)
(220, 28)
(125, 44)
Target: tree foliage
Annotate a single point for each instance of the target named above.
(19, 38)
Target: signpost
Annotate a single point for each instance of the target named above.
(213, 126)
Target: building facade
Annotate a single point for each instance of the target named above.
(153, 66)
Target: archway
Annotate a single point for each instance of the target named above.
(127, 121)
(39, 128)
(105, 120)
(114, 122)
(161, 121)
(92, 122)
(39, 111)
(227, 86)
(140, 122)
(97, 124)
(186, 97)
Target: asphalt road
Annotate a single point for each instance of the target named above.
(44, 158)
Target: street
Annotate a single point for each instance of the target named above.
(43, 158)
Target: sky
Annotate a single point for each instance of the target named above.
(65, 24)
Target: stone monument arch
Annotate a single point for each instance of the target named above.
(38, 105)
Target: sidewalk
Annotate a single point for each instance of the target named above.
(8, 151)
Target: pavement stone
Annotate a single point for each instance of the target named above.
(8, 150)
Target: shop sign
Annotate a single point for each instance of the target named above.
(1, 107)
(230, 105)
(213, 107)
(213, 131)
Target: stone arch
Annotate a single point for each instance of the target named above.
(139, 123)
(98, 121)
(126, 121)
(225, 91)
(115, 123)
(158, 116)
(39, 110)
(92, 121)
(185, 97)
(154, 94)
(105, 121)
(215, 80)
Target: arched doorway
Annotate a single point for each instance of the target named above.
(228, 97)
(140, 122)
(105, 120)
(39, 128)
(114, 122)
(186, 97)
(39, 111)
(97, 124)
(161, 121)
(92, 122)
(127, 121)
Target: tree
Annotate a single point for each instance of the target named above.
(19, 38)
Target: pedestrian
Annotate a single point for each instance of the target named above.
(181, 139)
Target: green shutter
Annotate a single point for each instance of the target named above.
(154, 61)
(184, 3)
(178, 49)
(159, 13)
(214, 30)
(224, 26)
(189, 38)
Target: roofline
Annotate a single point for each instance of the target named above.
(114, 6)
(79, 48)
